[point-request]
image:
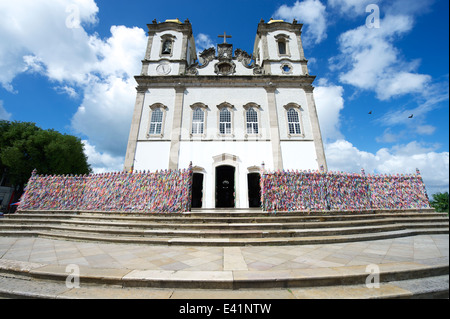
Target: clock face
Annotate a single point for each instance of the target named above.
(163, 69)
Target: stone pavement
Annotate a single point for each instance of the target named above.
(423, 249)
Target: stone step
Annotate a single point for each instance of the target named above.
(218, 225)
(232, 279)
(224, 231)
(431, 288)
(228, 227)
(235, 213)
(226, 240)
(188, 218)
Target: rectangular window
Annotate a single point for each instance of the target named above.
(293, 122)
(281, 47)
(156, 122)
(198, 118)
(252, 121)
(225, 121)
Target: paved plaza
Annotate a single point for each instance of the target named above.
(423, 249)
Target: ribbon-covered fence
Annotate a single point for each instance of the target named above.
(318, 190)
(161, 191)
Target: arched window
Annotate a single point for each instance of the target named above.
(167, 47)
(198, 121)
(156, 122)
(293, 121)
(283, 44)
(225, 121)
(281, 47)
(252, 121)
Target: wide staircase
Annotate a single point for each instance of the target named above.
(225, 227)
(229, 229)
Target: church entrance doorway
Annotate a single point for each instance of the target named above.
(254, 190)
(197, 190)
(225, 194)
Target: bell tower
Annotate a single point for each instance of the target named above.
(278, 48)
(170, 48)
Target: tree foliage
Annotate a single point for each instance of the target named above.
(24, 147)
(440, 202)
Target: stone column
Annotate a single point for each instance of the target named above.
(134, 130)
(176, 128)
(146, 61)
(274, 129)
(184, 48)
(266, 56)
(317, 135)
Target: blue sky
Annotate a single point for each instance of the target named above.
(68, 65)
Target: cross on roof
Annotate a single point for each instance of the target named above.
(224, 36)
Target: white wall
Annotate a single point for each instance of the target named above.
(299, 155)
(152, 156)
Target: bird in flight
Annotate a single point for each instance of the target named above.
(370, 112)
(411, 116)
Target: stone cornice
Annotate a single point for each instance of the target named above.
(262, 81)
(268, 27)
(185, 27)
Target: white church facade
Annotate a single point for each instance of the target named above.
(227, 111)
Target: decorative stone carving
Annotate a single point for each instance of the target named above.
(225, 51)
(204, 57)
(225, 68)
(207, 56)
(258, 70)
(192, 70)
(244, 58)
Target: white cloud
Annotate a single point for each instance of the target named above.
(401, 83)
(49, 38)
(401, 159)
(65, 89)
(311, 13)
(105, 114)
(351, 7)
(369, 60)
(425, 129)
(34, 35)
(329, 103)
(102, 162)
(202, 42)
(4, 115)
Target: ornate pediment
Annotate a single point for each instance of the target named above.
(207, 56)
(225, 64)
(225, 68)
(244, 58)
(225, 51)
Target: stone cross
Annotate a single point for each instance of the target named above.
(224, 36)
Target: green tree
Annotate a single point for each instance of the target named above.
(440, 202)
(24, 147)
